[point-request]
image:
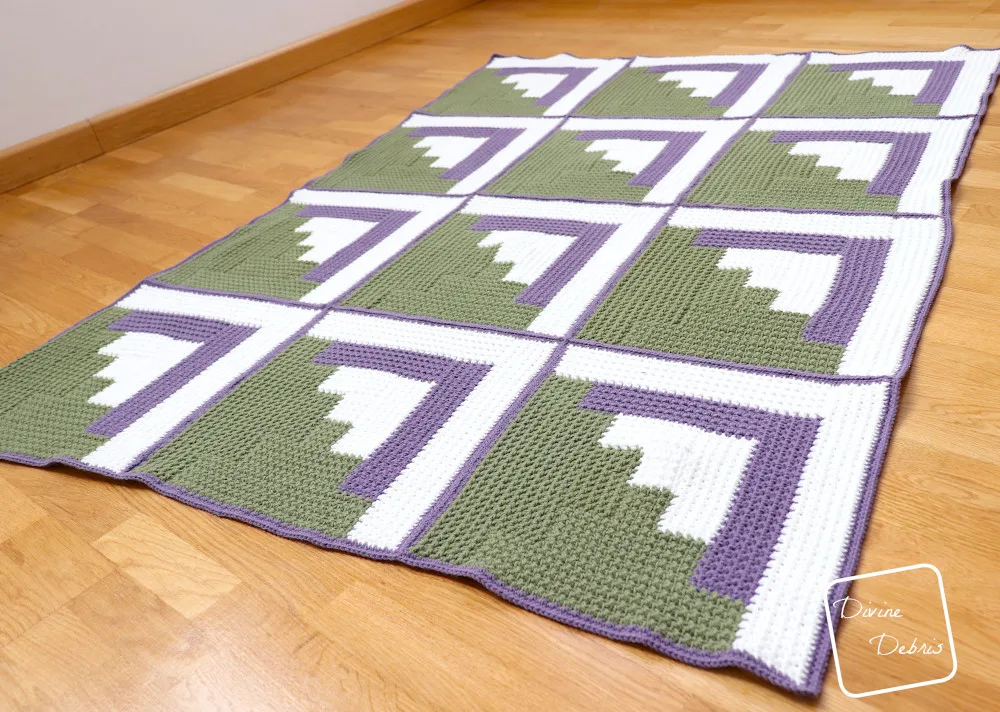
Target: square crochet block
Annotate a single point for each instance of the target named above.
(621, 339)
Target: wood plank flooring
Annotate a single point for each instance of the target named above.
(115, 598)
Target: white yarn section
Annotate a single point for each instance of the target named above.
(531, 253)
(374, 402)
(631, 155)
(634, 223)
(534, 130)
(514, 363)
(803, 280)
(702, 83)
(701, 469)
(328, 236)
(140, 358)
(274, 324)
(534, 85)
(785, 614)
(901, 82)
(429, 210)
(857, 160)
(938, 165)
(449, 151)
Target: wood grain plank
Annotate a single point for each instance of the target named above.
(186, 579)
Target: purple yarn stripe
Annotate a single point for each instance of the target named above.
(678, 144)
(861, 265)
(589, 238)
(496, 140)
(216, 338)
(746, 75)
(386, 223)
(944, 74)
(574, 75)
(744, 79)
(453, 382)
(940, 84)
(734, 563)
(900, 165)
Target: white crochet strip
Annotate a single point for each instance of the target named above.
(514, 363)
(810, 549)
(274, 324)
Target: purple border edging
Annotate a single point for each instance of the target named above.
(628, 634)
(624, 633)
(863, 511)
(862, 517)
(920, 318)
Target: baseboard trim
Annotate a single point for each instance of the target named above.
(47, 154)
(106, 132)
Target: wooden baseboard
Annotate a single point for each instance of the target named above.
(73, 144)
(47, 154)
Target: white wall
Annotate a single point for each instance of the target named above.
(63, 61)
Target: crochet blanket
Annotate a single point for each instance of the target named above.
(621, 339)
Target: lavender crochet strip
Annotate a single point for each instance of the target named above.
(453, 381)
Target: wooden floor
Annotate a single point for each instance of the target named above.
(115, 598)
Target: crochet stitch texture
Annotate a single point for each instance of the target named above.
(621, 339)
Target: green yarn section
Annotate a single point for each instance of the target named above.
(675, 299)
(758, 173)
(391, 163)
(266, 447)
(448, 276)
(636, 92)
(816, 91)
(562, 167)
(550, 512)
(44, 411)
(259, 258)
(484, 93)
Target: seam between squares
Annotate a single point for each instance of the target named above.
(637, 253)
(629, 262)
(218, 397)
